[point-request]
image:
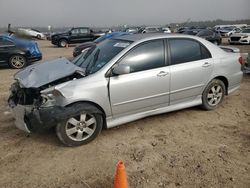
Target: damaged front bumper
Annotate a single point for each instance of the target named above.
(30, 119)
(19, 112)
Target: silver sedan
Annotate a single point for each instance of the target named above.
(121, 80)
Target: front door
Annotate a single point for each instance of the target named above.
(146, 87)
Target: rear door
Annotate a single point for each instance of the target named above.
(191, 67)
(147, 86)
(75, 36)
(85, 35)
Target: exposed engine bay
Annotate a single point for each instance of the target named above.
(38, 77)
(32, 96)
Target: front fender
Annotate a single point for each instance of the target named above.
(84, 91)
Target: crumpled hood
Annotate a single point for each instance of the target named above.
(40, 74)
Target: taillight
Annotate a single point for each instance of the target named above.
(240, 60)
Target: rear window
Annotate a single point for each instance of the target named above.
(187, 50)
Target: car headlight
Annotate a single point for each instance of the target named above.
(245, 37)
(49, 98)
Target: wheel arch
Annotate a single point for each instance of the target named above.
(224, 80)
(63, 38)
(84, 102)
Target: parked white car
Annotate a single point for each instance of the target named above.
(31, 33)
(240, 38)
(228, 33)
(166, 30)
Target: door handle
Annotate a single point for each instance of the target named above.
(162, 73)
(206, 64)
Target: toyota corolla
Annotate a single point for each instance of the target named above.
(121, 80)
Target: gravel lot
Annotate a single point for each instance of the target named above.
(187, 148)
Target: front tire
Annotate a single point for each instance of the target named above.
(62, 43)
(213, 94)
(17, 61)
(79, 129)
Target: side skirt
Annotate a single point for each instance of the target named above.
(113, 122)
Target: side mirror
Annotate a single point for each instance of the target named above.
(70, 33)
(121, 69)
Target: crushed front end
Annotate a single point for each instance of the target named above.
(36, 103)
(33, 111)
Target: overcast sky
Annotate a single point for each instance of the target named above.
(117, 12)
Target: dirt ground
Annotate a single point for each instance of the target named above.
(187, 148)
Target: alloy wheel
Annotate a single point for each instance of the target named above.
(81, 127)
(214, 95)
(17, 61)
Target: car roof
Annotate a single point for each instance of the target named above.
(149, 36)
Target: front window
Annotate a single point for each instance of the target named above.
(246, 31)
(5, 42)
(74, 31)
(146, 56)
(98, 56)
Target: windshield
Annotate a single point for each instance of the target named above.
(246, 31)
(96, 57)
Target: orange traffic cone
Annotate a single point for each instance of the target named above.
(120, 176)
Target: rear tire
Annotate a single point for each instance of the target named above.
(17, 61)
(79, 129)
(213, 94)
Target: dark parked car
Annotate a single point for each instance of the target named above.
(74, 35)
(191, 32)
(210, 35)
(17, 53)
(78, 49)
